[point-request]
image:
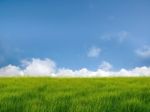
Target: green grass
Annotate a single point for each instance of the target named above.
(74, 94)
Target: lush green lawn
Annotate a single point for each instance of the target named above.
(74, 95)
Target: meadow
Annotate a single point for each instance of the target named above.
(74, 94)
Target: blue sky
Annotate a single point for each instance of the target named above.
(76, 33)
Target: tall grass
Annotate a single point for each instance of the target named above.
(75, 95)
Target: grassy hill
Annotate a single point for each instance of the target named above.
(74, 94)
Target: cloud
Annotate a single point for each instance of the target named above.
(94, 52)
(119, 36)
(143, 52)
(136, 72)
(47, 67)
(11, 70)
(33, 67)
(39, 67)
(73, 73)
(105, 66)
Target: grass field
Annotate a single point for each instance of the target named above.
(74, 94)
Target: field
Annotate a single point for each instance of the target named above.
(74, 94)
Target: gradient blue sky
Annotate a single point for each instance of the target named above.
(67, 30)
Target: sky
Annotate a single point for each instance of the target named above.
(74, 34)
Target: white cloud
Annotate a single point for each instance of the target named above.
(39, 67)
(33, 67)
(47, 67)
(10, 70)
(138, 71)
(143, 52)
(76, 73)
(94, 52)
(105, 66)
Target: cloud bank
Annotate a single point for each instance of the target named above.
(47, 67)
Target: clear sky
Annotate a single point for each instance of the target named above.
(76, 33)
